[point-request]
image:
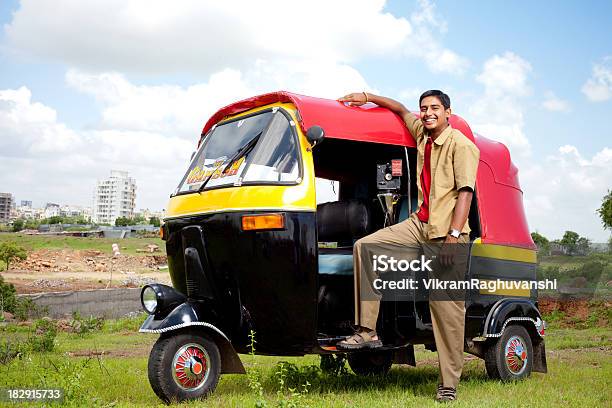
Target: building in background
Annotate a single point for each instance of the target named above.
(52, 210)
(26, 203)
(114, 197)
(6, 206)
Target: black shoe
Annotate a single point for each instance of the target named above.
(446, 394)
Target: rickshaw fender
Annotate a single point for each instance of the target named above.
(185, 317)
(525, 313)
(521, 311)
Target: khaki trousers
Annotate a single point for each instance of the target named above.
(448, 316)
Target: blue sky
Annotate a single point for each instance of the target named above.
(126, 84)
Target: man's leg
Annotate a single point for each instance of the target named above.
(406, 235)
(448, 320)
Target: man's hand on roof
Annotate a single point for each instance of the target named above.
(354, 99)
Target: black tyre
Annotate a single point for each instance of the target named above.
(184, 366)
(510, 358)
(370, 362)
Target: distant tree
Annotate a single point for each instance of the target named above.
(605, 211)
(582, 245)
(122, 222)
(18, 225)
(569, 240)
(541, 241)
(31, 224)
(56, 219)
(154, 221)
(9, 250)
(139, 219)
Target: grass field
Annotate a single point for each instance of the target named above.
(35, 242)
(109, 368)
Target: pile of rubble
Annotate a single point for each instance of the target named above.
(46, 283)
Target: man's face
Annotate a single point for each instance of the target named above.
(433, 114)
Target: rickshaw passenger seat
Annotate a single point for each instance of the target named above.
(342, 222)
(346, 221)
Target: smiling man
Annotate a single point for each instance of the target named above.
(447, 162)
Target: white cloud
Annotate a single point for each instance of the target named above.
(428, 26)
(155, 36)
(202, 37)
(505, 75)
(182, 111)
(598, 88)
(554, 103)
(30, 129)
(498, 112)
(563, 192)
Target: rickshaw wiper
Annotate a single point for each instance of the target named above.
(243, 151)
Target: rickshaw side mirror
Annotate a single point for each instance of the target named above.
(315, 134)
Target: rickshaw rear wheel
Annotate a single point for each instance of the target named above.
(510, 358)
(370, 362)
(184, 366)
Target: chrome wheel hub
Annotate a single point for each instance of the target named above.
(516, 355)
(190, 367)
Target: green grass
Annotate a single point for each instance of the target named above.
(579, 363)
(128, 245)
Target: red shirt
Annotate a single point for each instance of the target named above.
(423, 213)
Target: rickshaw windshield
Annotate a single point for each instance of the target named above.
(273, 159)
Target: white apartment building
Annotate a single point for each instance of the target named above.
(114, 197)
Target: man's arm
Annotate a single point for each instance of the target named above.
(462, 209)
(414, 125)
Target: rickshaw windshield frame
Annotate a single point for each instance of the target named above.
(253, 153)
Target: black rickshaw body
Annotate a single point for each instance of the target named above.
(255, 255)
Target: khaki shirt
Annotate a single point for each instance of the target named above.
(454, 162)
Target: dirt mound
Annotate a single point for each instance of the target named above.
(70, 260)
(571, 312)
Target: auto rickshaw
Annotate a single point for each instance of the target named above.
(250, 251)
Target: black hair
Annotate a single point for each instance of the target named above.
(438, 94)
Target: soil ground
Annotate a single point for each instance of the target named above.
(60, 270)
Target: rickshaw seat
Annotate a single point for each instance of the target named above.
(342, 222)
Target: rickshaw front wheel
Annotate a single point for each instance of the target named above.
(370, 362)
(511, 356)
(184, 366)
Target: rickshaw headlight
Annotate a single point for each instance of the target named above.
(148, 297)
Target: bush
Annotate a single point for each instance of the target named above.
(43, 338)
(25, 308)
(7, 297)
(85, 325)
(9, 250)
(9, 350)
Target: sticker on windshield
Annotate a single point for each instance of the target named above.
(199, 174)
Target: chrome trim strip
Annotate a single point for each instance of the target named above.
(524, 319)
(180, 326)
